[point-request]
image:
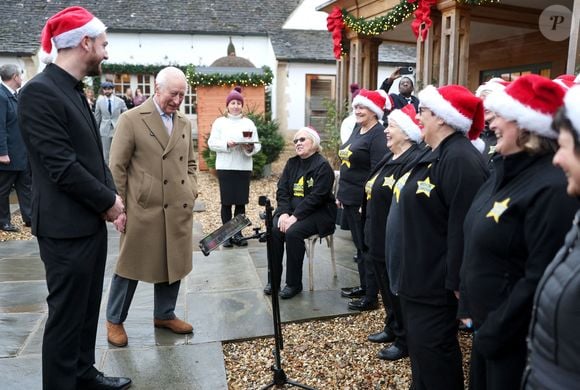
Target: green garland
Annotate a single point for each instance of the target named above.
(382, 23)
(391, 20)
(193, 77)
(137, 69)
(243, 79)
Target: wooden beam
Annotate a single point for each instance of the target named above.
(574, 43)
(506, 15)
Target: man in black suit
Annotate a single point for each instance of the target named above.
(73, 195)
(406, 87)
(14, 170)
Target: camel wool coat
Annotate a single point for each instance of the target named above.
(155, 175)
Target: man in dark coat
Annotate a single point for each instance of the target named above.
(14, 170)
(73, 194)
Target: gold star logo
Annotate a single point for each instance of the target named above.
(425, 187)
(400, 184)
(369, 186)
(491, 149)
(389, 182)
(498, 209)
(344, 155)
(310, 182)
(299, 187)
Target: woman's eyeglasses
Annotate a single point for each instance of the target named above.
(301, 139)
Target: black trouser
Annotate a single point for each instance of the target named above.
(295, 249)
(392, 304)
(502, 372)
(355, 224)
(226, 211)
(22, 182)
(74, 276)
(433, 345)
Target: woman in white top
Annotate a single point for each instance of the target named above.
(234, 138)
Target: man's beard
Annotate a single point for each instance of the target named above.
(94, 68)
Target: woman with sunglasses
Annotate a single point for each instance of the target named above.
(359, 155)
(305, 207)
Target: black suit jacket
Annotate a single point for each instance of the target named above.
(72, 185)
(10, 140)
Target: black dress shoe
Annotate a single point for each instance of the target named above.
(356, 292)
(102, 382)
(28, 224)
(227, 243)
(268, 289)
(386, 336)
(289, 292)
(8, 227)
(363, 304)
(392, 352)
(347, 289)
(238, 240)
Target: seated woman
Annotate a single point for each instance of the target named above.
(305, 207)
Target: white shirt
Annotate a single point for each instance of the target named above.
(230, 128)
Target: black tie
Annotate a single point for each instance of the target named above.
(110, 111)
(16, 95)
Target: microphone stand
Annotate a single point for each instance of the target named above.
(280, 377)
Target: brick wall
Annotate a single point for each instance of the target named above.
(211, 103)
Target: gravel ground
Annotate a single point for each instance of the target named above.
(325, 354)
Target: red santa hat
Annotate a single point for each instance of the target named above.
(531, 101)
(565, 81)
(406, 119)
(572, 104)
(373, 100)
(491, 85)
(66, 29)
(457, 106)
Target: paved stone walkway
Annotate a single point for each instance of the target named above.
(222, 298)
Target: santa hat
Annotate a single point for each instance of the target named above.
(406, 119)
(491, 85)
(236, 94)
(66, 29)
(354, 90)
(565, 81)
(313, 134)
(572, 104)
(389, 102)
(457, 106)
(531, 101)
(373, 100)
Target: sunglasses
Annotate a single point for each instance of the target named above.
(301, 139)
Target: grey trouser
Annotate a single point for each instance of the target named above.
(121, 295)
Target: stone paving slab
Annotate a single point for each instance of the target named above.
(191, 367)
(223, 271)
(23, 297)
(13, 269)
(15, 330)
(229, 315)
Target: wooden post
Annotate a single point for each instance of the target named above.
(454, 52)
(574, 43)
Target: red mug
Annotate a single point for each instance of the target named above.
(247, 134)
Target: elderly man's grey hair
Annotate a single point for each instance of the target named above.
(168, 73)
(8, 71)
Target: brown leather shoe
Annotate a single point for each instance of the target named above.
(175, 325)
(116, 334)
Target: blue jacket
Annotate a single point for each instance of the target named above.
(11, 143)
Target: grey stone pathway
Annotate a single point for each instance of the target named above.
(222, 298)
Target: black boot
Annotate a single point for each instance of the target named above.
(238, 240)
(227, 243)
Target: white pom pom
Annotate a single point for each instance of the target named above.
(45, 57)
